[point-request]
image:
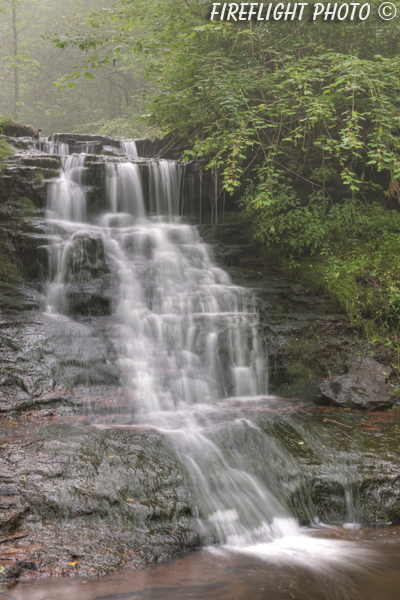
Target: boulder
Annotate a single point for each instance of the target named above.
(16, 129)
(364, 386)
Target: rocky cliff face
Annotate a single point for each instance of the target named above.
(22, 235)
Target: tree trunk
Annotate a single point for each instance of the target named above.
(16, 73)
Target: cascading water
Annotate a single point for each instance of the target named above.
(66, 212)
(129, 147)
(55, 146)
(165, 183)
(125, 194)
(188, 344)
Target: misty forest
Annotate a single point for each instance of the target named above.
(199, 302)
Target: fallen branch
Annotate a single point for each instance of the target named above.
(332, 421)
(17, 536)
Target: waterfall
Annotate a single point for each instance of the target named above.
(165, 188)
(188, 343)
(124, 190)
(129, 148)
(54, 146)
(66, 213)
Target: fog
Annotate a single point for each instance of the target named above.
(31, 64)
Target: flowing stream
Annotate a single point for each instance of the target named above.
(189, 351)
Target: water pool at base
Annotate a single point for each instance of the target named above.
(218, 574)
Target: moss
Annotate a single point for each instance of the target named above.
(5, 151)
(307, 271)
(9, 276)
(344, 290)
(300, 360)
(12, 220)
(303, 349)
(25, 209)
(39, 176)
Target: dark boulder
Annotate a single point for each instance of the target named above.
(364, 386)
(16, 129)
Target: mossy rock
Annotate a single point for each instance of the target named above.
(17, 251)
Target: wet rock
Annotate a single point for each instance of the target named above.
(90, 299)
(12, 508)
(24, 143)
(22, 237)
(90, 287)
(25, 176)
(89, 143)
(95, 499)
(11, 398)
(111, 145)
(363, 386)
(86, 258)
(80, 354)
(42, 358)
(112, 151)
(9, 573)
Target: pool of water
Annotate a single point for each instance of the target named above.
(366, 566)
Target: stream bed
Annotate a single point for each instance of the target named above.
(215, 574)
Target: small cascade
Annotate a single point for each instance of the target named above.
(53, 145)
(129, 148)
(165, 188)
(66, 197)
(66, 213)
(125, 196)
(89, 148)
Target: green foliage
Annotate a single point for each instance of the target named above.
(5, 151)
(5, 148)
(301, 120)
(128, 124)
(298, 112)
(362, 275)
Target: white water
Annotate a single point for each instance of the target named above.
(165, 183)
(124, 193)
(66, 214)
(189, 348)
(54, 146)
(129, 147)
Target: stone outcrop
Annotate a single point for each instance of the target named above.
(23, 184)
(169, 147)
(99, 499)
(364, 386)
(16, 129)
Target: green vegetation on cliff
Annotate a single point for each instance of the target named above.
(5, 150)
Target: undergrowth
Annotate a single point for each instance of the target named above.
(5, 151)
(360, 270)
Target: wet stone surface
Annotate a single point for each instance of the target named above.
(363, 386)
(99, 499)
(95, 499)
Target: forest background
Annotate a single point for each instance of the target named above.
(301, 120)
